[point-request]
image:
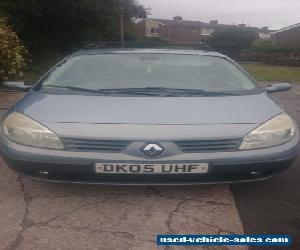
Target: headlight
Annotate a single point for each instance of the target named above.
(23, 130)
(274, 132)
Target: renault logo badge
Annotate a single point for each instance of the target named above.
(152, 150)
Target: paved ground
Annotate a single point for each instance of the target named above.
(274, 206)
(37, 215)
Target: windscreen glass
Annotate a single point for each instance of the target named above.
(113, 71)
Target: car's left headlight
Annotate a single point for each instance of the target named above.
(279, 130)
(24, 130)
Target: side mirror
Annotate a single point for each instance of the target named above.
(278, 87)
(18, 86)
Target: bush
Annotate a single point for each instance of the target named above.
(270, 56)
(12, 52)
(232, 39)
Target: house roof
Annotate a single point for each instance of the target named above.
(188, 23)
(287, 28)
(199, 24)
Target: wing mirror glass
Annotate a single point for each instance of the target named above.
(278, 87)
(18, 86)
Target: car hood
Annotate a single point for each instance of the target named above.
(92, 109)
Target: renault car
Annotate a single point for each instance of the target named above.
(124, 116)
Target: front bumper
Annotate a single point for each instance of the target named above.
(218, 173)
(78, 167)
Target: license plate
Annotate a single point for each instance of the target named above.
(121, 168)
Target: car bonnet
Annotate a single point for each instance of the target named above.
(93, 109)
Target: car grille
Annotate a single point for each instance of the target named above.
(196, 146)
(116, 146)
(87, 145)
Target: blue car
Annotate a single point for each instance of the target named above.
(121, 116)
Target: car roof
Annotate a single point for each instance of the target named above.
(148, 51)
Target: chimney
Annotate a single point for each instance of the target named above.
(213, 22)
(178, 18)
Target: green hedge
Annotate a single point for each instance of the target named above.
(12, 52)
(273, 56)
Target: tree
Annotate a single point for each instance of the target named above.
(64, 24)
(12, 52)
(232, 39)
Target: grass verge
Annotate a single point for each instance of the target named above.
(266, 72)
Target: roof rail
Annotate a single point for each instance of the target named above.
(103, 45)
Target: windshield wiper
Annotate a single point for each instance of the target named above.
(198, 92)
(147, 91)
(106, 91)
(162, 91)
(73, 88)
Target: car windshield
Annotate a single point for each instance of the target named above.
(150, 71)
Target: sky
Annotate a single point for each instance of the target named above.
(272, 13)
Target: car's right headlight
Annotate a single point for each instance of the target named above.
(279, 130)
(24, 130)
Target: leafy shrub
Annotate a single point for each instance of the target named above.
(12, 52)
(232, 39)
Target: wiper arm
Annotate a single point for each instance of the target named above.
(148, 91)
(124, 91)
(162, 91)
(73, 88)
(136, 91)
(191, 92)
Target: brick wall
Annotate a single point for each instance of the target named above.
(180, 34)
